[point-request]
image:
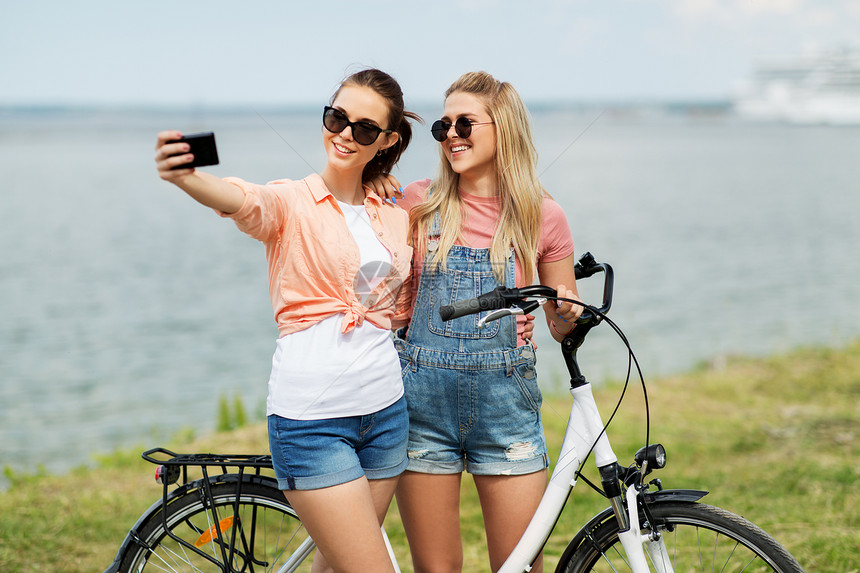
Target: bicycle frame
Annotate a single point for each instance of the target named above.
(584, 428)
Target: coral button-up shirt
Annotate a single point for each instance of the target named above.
(313, 259)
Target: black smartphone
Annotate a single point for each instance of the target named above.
(202, 147)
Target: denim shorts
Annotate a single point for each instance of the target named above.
(484, 418)
(313, 454)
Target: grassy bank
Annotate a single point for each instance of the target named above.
(775, 440)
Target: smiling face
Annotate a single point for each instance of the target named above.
(357, 103)
(473, 156)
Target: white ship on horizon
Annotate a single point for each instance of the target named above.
(819, 87)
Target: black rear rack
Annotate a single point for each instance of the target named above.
(236, 469)
(224, 460)
(174, 464)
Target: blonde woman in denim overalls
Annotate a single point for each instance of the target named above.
(472, 394)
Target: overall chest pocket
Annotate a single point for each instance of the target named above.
(449, 285)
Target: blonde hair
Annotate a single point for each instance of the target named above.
(520, 191)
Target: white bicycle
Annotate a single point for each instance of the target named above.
(234, 519)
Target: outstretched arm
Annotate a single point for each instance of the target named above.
(204, 188)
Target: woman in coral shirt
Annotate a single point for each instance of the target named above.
(338, 423)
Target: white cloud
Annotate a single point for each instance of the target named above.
(853, 9)
(735, 10)
(820, 18)
(747, 10)
(756, 7)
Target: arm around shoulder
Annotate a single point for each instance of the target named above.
(414, 194)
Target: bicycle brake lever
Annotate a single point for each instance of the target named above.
(497, 314)
(532, 304)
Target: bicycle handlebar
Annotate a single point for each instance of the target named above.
(488, 301)
(507, 301)
(587, 267)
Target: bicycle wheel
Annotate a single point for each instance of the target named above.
(697, 537)
(259, 533)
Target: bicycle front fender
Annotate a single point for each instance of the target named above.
(690, 495)
(674, 495)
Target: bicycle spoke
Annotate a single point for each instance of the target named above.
(618, 555)
(167, 552)
(699, 544)
(726, 564)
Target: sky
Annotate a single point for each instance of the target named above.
(268, 52)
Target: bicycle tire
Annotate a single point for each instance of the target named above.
(261, 535)
(698, 537)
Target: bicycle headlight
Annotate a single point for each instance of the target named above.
(654, 454)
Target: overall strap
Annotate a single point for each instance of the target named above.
(434, 231)
(511, 268)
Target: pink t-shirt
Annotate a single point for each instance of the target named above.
(480, 219)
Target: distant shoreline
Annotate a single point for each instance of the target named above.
(717, 105)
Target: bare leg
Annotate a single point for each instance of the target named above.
(382, 491)
(344, 522)
(430, 507)
(508, 504)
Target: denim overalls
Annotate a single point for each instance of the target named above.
(472, 394)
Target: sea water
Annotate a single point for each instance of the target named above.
(127, 310)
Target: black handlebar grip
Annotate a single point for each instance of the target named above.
(487, 301)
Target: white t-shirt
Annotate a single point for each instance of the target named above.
(321, 372)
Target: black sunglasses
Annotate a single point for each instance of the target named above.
(463, 128)
(363, 132)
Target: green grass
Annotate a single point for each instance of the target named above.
(775, 440)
